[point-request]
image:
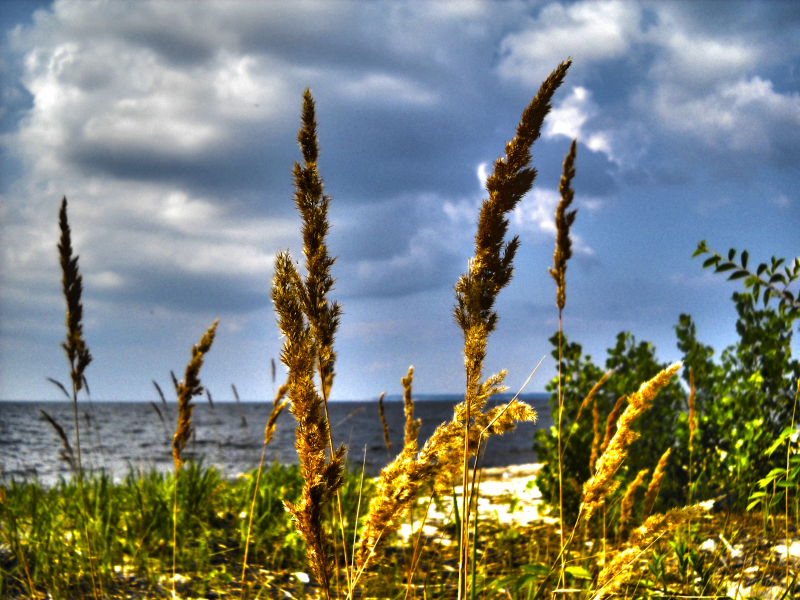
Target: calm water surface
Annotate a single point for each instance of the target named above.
(120, 436)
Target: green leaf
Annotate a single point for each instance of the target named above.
(524, 580)
(745, 256)
(761, 268)
(578, 572)
(731, 253)
(785, 434)
(536, 569)
(725, 267)
(738, 275)
(757, 495)
(502, 582)
(774, 473)
(786, 484)
(701, 249)
(711, 261)
(776, 499)
(753, 504)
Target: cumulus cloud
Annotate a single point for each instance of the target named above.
(536, 214)
(171, 129)
(569, 119)
(589, 32)
(699, 82)
(746, 116)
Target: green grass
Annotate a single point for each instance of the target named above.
(131, 527)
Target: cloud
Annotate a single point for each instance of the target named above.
(746, 116)
(569, 119)
(407, 246)
(381, 87)
(536, 214)
(589, 32)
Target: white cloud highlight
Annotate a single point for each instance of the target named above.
(589, 32)
(570, 117)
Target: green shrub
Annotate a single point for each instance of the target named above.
(634, 363)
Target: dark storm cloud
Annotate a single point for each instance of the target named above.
(171, 128)
(219, 294)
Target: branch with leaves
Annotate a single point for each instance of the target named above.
(770, 278)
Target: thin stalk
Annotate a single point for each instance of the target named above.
(358, 510)
(786, 516)
(417, 554)
(17, 546)
(174, 529)
(462, 557)
(560, 456)
(250, 520)
(475, 535)
(82, 493)
(324, 390)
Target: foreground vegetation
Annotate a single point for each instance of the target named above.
(623, 484)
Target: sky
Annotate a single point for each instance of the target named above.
(171, 128)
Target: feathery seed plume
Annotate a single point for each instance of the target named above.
(564, 221)
(615, 574)
(596, 439)
(626, 505)
(611, 423)
(491, 268)
(590, 396)
(383, 422)
(412, 426)
(67, 455)
(308, 322)
(399, 483)
(321, 478)
(655, 483)
(72, 284)
(277, 408)
(595, 490)
(187, 389)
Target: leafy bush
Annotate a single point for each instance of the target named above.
(743, 402)
(633, 363)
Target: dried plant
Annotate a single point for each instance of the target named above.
(66, 454)
(412, 425)
(241, 412)
(77, 352)
(589, 397)
(491, 268)
(72, 284)
(564, 221)
(383, 422)
(309, 322)
(398, 485)
(615, 574)
(596, 438)
(277, 408)
(278, 404)
(611, 423)
(601, 484)
(655, 484)
(626, 506)
(562, 254)
(188, 389)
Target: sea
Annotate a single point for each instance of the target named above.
(120, 437)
